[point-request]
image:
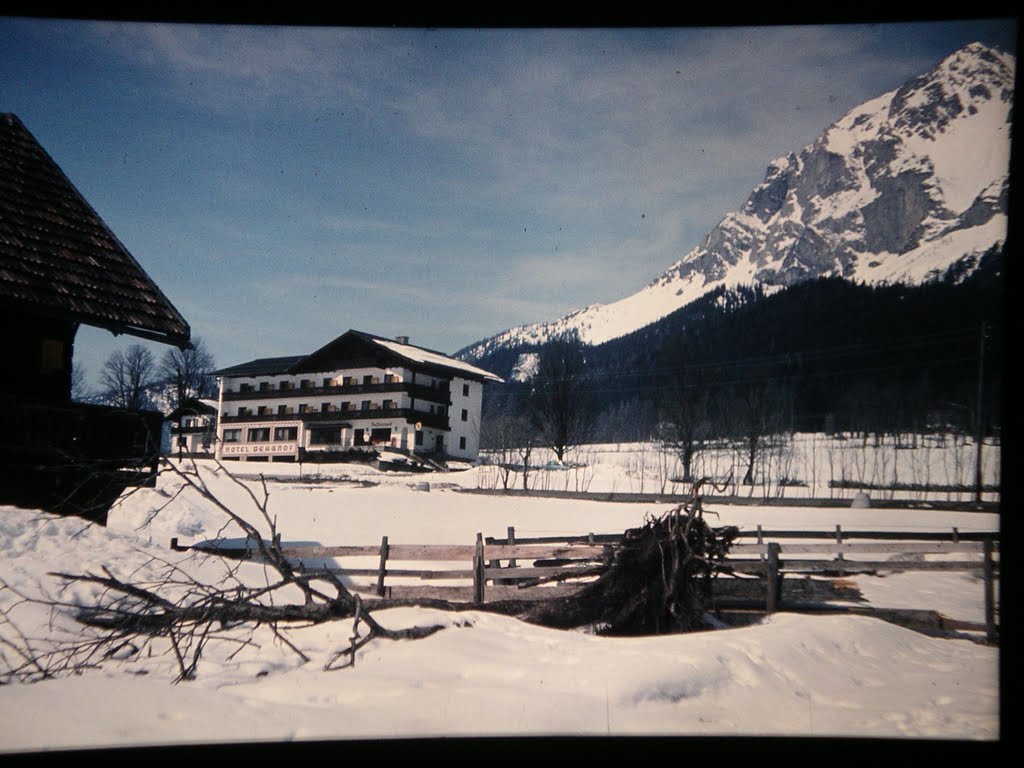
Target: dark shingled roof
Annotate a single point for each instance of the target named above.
(265, 366)
(332, 354)
(57, 256)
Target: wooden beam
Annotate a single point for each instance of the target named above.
(990, 602)
(478, 570)
(772, 581)
(539, 552)
(849, 547)
(381, 569)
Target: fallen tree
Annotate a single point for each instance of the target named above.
(656, 580)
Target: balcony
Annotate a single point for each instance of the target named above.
(73, 458)
(196, 429)
(419, 391)
(73, 432)
(433, 420)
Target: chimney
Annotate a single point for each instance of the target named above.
(402, 339)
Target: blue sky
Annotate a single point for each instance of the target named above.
(285, 184)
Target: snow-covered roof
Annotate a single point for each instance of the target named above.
(421, 355)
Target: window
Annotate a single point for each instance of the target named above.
(52, 355)
(388, 405)
(243, 411)
(465, 390)
(282, 410)
(419, 437)
(303, 408)
(264, 386)
(465, 415)
(285, 385)
(325, 407)
(285, 433)
(325, 435)
(347, 381)
(365, 405)
(260, 435)
(462, 443)
(263, 410)
(327, 383)
(305, 384)
(381, 436)
(245, 387)
(367, 380)
(346, 405)
(232, 435)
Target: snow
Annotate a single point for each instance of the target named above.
(858, 125)
(837, 675)
(420, 355)
(969, 154)
(932, 257)
(526, 366)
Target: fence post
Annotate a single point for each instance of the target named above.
(956, 534)
(512, 543)
(478, 570)
(990, 594)
(839, 556)
(381, 568)
(760, 540)
(774, 582)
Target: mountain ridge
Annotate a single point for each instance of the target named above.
(899, 189)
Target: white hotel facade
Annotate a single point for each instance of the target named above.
(359, 391)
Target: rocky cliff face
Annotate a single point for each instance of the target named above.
(897, 190)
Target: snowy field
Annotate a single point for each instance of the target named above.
(483, 675)
(915, 467)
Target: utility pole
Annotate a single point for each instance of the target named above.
(979, 428)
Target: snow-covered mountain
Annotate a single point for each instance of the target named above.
(897, 190)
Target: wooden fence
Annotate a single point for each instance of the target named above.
(485, 578)
(543, 567)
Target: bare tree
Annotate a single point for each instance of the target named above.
(508, 435)
(81, 392)
(126, 377)
(559, 400)
(687, 413)
(758, 412)
(187, 371)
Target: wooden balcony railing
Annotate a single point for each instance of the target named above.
(433, 420)
(439, 394)
(66, 432)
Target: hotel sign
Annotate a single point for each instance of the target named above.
(256, 449)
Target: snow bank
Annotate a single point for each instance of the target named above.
(483, 674)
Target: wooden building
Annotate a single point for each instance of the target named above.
(62, 267)
(358, 392)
